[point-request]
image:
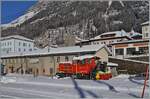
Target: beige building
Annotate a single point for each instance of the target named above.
(146, 30)
(44, 62)
(130, 48)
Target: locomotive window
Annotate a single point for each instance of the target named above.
(79, 62)
(66, 58)
(83, 61)
(89, 61)
(58, 59)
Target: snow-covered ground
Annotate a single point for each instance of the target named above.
(26, 86)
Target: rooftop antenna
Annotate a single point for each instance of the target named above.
(81, 38)
(49, 41)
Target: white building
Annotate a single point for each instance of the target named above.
(146, 30)
(16, 43)
(106, 38)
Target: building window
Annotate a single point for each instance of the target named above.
(130, 51)
(146, 35)
(13, 60)
(58, 59)
(19, 49)
(16, 60)
(118, 40)
(66, 58)
(143, 50)
(119, 51)
(97, 42)
(19, 43)
(51, 71)
(24, 44)
(29, 45)
(9, 60)
(24, 50)
(30, 49)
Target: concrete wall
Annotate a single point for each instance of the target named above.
(141, 58)
(103, 54)
(146, 29)
(129, 66)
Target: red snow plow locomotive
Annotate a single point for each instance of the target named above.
(84, 67)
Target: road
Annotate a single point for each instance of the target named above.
(43, 87)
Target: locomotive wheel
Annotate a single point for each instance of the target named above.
(87, 77)
(78, 76)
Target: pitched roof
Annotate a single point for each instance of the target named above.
(131, 41)
(146, 23)
(16, 37)
(83, 57)
(117, 34)
(60, 50)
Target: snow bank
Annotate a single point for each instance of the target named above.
(8, 80)
(54, 77)
(122, 76)
(57, 77)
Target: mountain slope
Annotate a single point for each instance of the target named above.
(59, 20)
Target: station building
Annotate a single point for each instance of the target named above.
(46, 61)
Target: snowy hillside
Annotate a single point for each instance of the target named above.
(19, 20)
(68, 19)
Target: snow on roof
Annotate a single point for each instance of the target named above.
(110, 64)
(16, 37)
(83, 57)
(131, 41)
(136, 34)
(117, 34)
(147, 22)
(60, 50)
(70, 62)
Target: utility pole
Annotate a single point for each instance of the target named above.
(0, 55)
(145, 81)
